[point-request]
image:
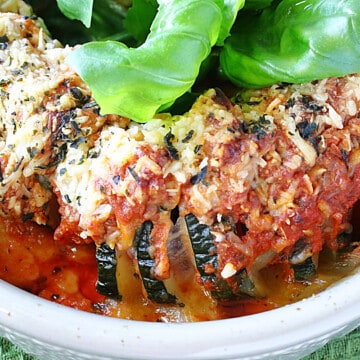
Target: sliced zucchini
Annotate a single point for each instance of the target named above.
(305, 270)
(302, 260)
(244, 284)
(202, 242)
(107, 282)
(155, 289)
(183, 280)
(344, 239)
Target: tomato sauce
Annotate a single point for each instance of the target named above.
(67, 273)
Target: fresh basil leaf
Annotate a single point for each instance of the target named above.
(137, 82)
(294, 41)
(106, 23)
(257, 4)
(77, 10)
(139, 18)
(230, 11)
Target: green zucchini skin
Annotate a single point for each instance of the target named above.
(107, 282)
(307, 267)
(244, 284)
(304, 271)
(155, 289)
(202, 242)
(205, 254)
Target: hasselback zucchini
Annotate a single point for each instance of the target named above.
(107, 282)
(155, 289)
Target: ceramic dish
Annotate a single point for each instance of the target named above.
(52, 331)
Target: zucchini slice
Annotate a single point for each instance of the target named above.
(344, 240)
(206, 257)
(107, 282)
(302, 261)
(304, 271)
(244, 284)
(155, 289)
(202, 242)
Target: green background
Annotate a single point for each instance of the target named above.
(344, 348)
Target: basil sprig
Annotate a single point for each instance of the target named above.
(294, 41)
(272, 41)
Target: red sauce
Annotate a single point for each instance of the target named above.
(33, 261)
(66, 274)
